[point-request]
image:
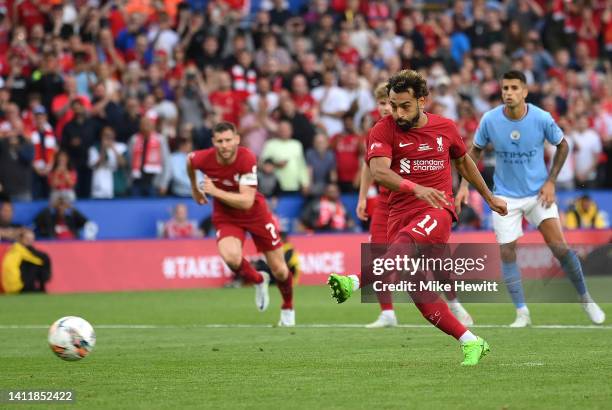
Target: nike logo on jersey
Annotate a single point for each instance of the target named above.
(402, 145)
(276, 242)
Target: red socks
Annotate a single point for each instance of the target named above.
(439, 315)
(286, 291)
(248, 272)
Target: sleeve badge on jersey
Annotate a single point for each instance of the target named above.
(375, 145)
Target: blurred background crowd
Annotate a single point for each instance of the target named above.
(104, 99)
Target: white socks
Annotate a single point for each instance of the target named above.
(355, 280)
(468, 337)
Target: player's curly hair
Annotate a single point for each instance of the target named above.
(406, 80)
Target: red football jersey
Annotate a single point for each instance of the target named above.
(243, 171)
(347, 149)
(383, 193)
(421, 155)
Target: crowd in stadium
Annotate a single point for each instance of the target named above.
(104, 99)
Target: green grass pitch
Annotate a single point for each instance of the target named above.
(180, 361)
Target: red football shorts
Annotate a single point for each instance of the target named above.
(427, 226)
(263, 230)
(378, 223)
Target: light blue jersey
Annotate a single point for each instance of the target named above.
(519, 149)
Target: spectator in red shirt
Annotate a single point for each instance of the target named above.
(180, 226)
(62, 177)
(348, 147)
(227, 101)
(45, 146)
(61, 105)
(304, 102)
(345, 50)
(32, 12)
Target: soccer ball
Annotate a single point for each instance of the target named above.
(71, 338)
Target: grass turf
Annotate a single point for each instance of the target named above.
(183, 363)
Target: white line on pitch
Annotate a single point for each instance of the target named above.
(304, 326)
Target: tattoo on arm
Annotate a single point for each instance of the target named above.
(558, 160)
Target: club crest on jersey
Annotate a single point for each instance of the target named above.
(440, 144)
(515, 135)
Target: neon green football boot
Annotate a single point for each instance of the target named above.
(341, 286)
(474, 351)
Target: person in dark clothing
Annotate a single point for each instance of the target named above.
(16, 155)
(105, 111)
(130, 120)
(50, 83)
(303, 130)
(60, 220)
(8, 229)
(267, 182)
(78, 136)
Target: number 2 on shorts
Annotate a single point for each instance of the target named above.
(270, 227)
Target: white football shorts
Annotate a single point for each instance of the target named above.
(510, 227)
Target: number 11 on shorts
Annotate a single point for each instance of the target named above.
(425, 228)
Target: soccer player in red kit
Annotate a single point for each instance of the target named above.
(410, 153)
(378, 226)
(230, 177)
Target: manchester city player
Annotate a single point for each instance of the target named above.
(517, 132)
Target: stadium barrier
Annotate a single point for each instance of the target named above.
(134, 218)
(132, 265)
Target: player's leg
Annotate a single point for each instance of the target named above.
(507, 230)
(554, 238)
(434, 225)
(514, 284)
(229, 243)
(451, 295)
(378, 235)
(266, 237)
(284, 281)
(342, 286)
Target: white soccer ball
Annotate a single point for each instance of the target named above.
(71, 338)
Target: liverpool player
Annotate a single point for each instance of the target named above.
(410, 153)
(380, 213)
(378, 228)
(230, 177)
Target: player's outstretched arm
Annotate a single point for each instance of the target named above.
(382, 173)
(547, 192)
(242, 200)
(463, 193)
(365, 182)
(468, 170)
(197, 195)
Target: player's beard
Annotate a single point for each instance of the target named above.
(407, 125)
